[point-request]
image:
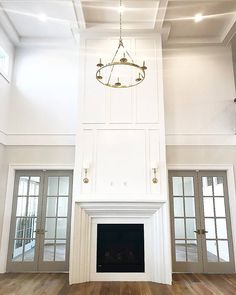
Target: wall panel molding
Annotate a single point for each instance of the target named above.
(37, 139)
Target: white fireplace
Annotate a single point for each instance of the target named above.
(120, 166)
(157, 252)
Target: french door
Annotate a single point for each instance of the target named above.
(40, 226)
(200, 218)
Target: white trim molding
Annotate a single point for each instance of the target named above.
(231, 188)
(37, 139)
(201, 139)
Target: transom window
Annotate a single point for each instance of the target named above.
(4, 63)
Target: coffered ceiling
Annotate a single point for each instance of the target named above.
(26, 20)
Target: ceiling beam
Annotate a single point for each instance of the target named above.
(229, 32)
(161, 13)
(79, 14)
(8, 27)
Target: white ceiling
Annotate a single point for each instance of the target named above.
(139, 14)
(173, 18)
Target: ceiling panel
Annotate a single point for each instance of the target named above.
(24, 16)
(137, 14)
(217, 16)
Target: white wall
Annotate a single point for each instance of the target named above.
(199, 90)
(44, 91)
(201, 155)
(4, 84)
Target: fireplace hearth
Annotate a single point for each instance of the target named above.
(120, 248)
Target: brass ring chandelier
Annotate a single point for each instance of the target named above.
(121, 72)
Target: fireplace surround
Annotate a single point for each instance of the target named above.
(157, 253)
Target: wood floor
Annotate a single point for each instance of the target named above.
(57, 284)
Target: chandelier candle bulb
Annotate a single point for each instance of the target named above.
(144, 66)
(100, 64)
(124, 59)
(118, 84)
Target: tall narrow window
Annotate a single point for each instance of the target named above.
(4, 63)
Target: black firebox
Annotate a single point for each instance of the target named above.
(120, 248)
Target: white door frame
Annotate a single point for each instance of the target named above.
(231, 189)
(8, 203)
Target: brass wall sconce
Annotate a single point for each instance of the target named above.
(86, 167)
(154, 180)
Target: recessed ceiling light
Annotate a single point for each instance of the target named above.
(121, 9)
(198, 18)
(42, 17)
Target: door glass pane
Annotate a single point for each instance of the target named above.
(190, 228)
(221, 228)
(60, 254)
(177, 186)
(32, 206)
(210, 228)
(207, 186)
(64, 186)
(20, 227)
(50, 228)
(208, 207)
(48, 250)
(61, 228)
(211, 251)
(218, 186)
(52, 186)
(62, 206)
(18, 247)
(23, 186)
(192, 251)
(179, 228)
(21, 206)
(223, 251)
(189, 207)
(51, 206)
(29, 251)
(30, 227)
(180, 250)
(188, 186)
(220, 207)
(34, 186)
(178, 207)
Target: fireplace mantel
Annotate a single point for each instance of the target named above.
(152, 214)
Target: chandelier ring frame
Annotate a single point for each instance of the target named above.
(112, 65)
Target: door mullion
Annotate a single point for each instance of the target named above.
(216, 231)
(199, 219)
(40, 217)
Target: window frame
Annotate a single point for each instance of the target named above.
(5, 73)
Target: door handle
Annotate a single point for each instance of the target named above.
(37, 231)
(201, 231)
(40, 231)
(204, 231)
